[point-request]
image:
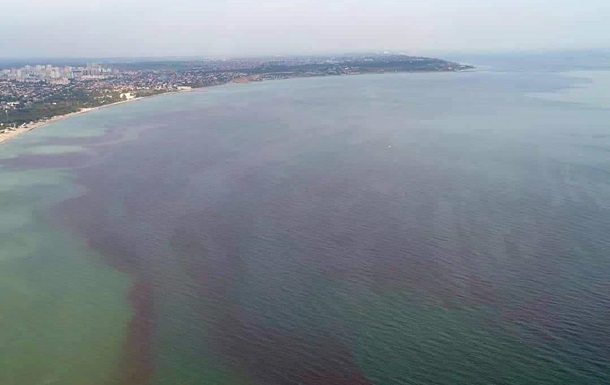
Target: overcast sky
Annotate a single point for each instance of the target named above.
(98, 28)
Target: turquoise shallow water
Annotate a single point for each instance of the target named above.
(395, 229)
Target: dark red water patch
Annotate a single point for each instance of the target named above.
(87, 216)
(137, 366)
(283, 356)
(105, 236)
(207, 247)
(300, 212)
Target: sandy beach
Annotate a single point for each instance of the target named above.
(32, 126)
(29, 127)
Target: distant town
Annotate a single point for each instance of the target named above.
(36, 92)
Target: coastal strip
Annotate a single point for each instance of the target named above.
(15, 132)
(33, 96)
(10, 133)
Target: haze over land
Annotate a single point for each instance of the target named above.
(95, 28)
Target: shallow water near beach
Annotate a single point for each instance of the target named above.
(441, 228)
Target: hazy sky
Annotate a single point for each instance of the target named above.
(60, 28)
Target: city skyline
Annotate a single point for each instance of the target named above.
(134, 28)
(53, 74)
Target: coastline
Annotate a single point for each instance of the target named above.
(29, 127)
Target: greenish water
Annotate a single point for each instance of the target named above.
(64, 312)
(395, 229)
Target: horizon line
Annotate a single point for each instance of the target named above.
(327, 53)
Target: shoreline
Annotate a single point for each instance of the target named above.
(29, 127)
(22, 130)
